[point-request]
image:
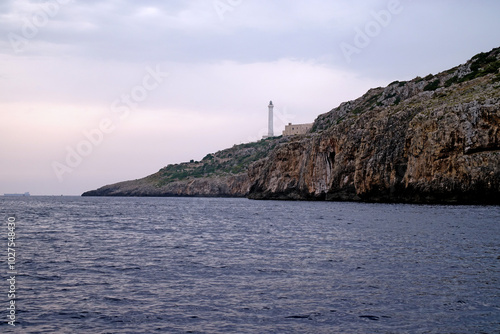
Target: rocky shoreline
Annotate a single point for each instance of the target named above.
(429, 140)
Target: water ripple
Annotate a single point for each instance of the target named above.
(179, 265)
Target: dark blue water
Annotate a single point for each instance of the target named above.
(194, 265)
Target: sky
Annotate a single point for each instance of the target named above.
(98, 92)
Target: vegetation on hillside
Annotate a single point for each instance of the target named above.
(483, 65)
(231, 161)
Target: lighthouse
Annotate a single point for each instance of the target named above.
(270, 128)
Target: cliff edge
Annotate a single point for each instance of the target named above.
(430, 140)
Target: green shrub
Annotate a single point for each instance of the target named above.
(479, 61)
(357, 111)
(496, 79)
(491, 68)
(451, 81)
(432, 85)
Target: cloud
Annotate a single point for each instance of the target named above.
(252, 31)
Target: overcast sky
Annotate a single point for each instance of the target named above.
(96, 92)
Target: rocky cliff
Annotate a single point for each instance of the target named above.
(221, 174)
(430, 140)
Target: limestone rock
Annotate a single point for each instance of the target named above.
(429, 140)
(221, 174)
(432, 140)
(225, 186)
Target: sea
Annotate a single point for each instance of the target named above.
(233, 265)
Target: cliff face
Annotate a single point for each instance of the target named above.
(431, 140)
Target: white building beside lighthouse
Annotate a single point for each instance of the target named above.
(290, 129)
(297, 129)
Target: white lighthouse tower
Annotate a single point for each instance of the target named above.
(270, 128)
